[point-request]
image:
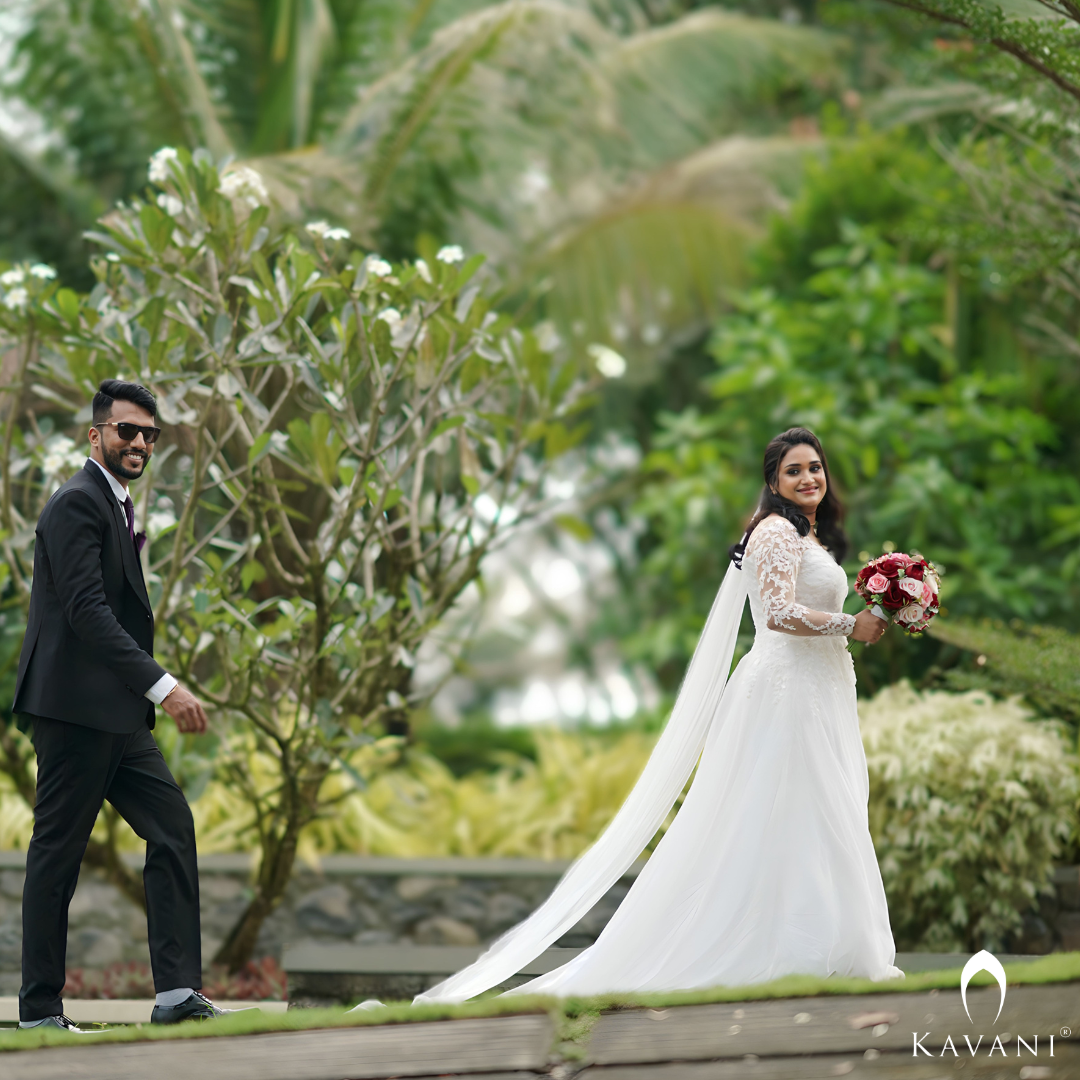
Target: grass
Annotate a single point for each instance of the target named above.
(1058, 968)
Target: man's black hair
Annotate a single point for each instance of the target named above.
(117, 390)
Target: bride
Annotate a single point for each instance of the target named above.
(768, 868)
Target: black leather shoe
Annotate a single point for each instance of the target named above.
(51, 1023)
(195, 1007)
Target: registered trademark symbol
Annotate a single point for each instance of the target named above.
(1066, 1032)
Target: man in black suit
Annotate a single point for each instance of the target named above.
(87, 686)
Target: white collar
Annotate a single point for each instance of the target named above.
(117, 488)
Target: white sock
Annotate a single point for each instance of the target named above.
(169, 998)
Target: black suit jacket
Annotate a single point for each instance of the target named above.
(88, 655)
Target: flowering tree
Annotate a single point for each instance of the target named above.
(344, 441)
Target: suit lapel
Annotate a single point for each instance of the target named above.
(128, 554)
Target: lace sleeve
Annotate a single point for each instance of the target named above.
(775, 552)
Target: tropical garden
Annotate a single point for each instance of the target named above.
(468, 322)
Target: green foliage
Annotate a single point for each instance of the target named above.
(970, 802)
(957, 463)
(1040, 662)
(345, 441)
(513, 127)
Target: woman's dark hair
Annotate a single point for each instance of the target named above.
(830, 512)
(117, 390)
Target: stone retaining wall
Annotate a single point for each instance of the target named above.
(356, 899)
(375, 901)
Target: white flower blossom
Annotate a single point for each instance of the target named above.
(170, 204)
(157, 521)
(12, 277)
(42, 272)
(609, 363)
(423, 270)
(17, 299)
(451, 253)
(112, 257)
(378, 267)
(159, 171)
(392, 318)
(62, 455)
(246, 184)
(325, 231)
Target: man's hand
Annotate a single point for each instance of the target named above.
(868, 627)
(183, 706)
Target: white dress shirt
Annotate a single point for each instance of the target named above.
(164, 685)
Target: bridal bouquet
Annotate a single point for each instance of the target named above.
(901, 588)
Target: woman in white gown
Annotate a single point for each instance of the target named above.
(768, 868)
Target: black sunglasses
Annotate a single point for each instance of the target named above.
(127, 432)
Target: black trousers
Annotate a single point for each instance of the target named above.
(78, 768)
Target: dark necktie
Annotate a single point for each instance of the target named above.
(129, 512)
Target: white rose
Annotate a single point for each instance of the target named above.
(910, 613)
(911, 586)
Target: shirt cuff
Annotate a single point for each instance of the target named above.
(163, 686)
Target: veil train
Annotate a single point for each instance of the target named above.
(643, 812)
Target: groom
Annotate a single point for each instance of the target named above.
(87, 686)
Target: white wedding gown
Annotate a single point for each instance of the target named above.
(768, 868)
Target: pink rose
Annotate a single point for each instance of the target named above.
(927, 594)
(912, 586)
(878, 583)
(910, 614)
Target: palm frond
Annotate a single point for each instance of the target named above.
(655, 267)
(160, 27)
(712, 73)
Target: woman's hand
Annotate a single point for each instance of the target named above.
(868, 628)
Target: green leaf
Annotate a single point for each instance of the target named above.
(253, 571)
(157, 227)
(255, 451)
(575, 526)
(67, 303)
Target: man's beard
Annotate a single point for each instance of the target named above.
(114, 460)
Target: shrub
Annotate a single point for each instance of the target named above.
(970, 802)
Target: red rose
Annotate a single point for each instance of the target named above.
(894, 596)
(890, 565)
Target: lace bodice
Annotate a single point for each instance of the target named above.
(801, 589)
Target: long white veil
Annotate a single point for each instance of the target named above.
(646, 807)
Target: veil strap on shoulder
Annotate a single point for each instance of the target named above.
(648, 804)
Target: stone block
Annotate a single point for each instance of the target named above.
(11, 945)
(328, 909)
(96, 901)
(11, 883)
(414, 888)
(505, 909)
(443, 930)
(219, 889)
(93, 947)
(467, 904)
